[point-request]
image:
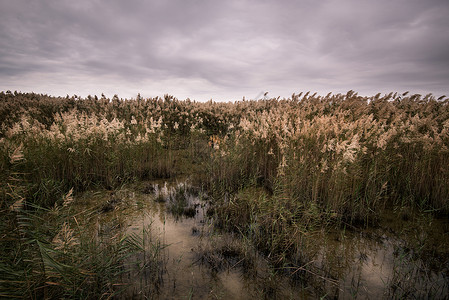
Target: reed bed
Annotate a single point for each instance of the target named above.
(274, 168)
(50, 253)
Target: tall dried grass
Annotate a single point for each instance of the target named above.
(320, 160)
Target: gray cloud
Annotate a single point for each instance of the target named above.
(223, 49)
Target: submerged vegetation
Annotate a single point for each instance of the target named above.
(274, 170)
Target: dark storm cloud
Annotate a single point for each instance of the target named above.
(224, 49)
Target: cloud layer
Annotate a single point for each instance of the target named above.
(224, 49)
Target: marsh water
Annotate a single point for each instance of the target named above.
(187, 258)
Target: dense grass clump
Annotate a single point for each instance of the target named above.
(64, 253)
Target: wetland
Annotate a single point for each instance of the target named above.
(403, 256)
(309, 197)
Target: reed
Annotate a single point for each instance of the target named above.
(54, 253)
(274, 168)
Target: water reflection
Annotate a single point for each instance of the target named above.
(370, 264)
(200, 262)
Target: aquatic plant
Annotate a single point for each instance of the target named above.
(274, 169)
(53, 253)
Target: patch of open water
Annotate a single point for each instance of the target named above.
(198, 262)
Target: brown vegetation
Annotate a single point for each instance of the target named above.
(275, 168)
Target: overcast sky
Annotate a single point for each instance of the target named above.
(224, 50)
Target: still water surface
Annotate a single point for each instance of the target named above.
(402, 258)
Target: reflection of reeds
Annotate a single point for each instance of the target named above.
(180, 201)
(227, 254)
(338, 159)
(411, 278)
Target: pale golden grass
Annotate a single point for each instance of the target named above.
(18, 205)
(65, 239)
(16, 155)
(68, 198)
(322, 135)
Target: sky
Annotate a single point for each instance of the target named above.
(224, 50)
